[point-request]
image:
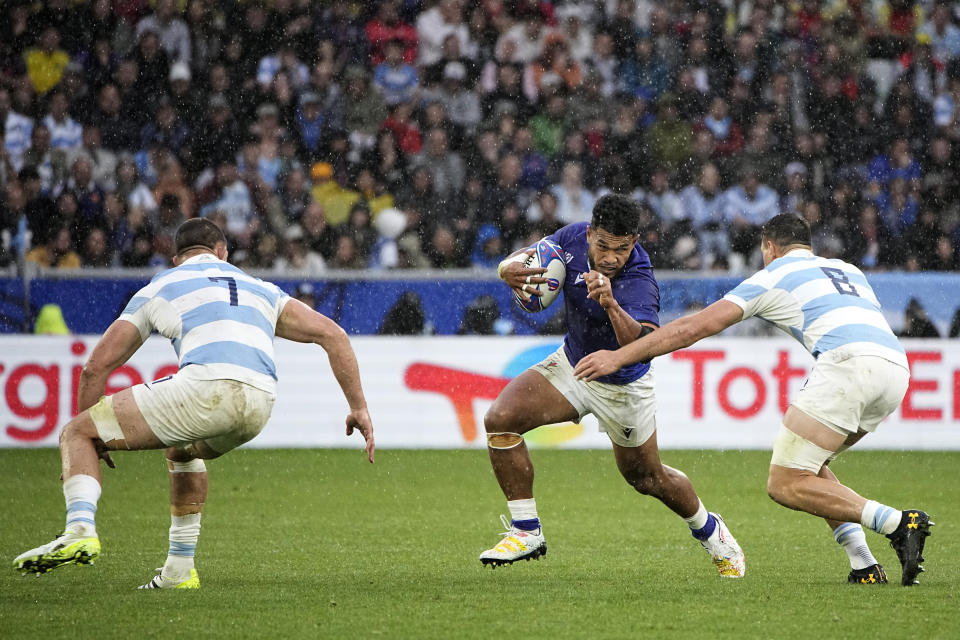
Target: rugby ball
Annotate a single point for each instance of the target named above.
(549, 256)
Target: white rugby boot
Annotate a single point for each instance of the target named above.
(159, 581)
(517, 544)
(724, 551)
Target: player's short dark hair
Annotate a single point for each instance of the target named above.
(198, 232)
(616, 214)
(786, 229)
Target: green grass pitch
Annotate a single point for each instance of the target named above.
(320, 544)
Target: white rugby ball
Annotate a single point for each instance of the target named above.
(549, 256)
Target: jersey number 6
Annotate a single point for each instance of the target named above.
(232, 285)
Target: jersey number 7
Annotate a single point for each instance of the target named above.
(231, 284)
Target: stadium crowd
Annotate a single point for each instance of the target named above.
(444, 134)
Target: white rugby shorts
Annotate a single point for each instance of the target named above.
(224, 414)
(850, 392)
(626, 412)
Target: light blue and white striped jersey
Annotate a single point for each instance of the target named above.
(18, 130)
(219, 319)
(66, 135)
(824, 304)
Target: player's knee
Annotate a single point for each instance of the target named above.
(74, 430)
(781, 490)
(498, 420)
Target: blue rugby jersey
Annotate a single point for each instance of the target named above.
(220, 320)
(824, 304)
(588, 327)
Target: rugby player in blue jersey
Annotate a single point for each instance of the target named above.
(610, 299)
(859, 378)
(221, 322)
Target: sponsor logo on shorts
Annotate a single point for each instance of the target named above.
(627, 433)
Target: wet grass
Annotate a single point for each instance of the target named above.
(313, 543)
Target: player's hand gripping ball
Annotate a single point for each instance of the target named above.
(549, 256)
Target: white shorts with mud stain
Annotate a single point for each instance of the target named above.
(182, 409)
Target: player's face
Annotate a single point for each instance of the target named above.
(608, 253)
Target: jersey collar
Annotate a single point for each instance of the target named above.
(201, 257)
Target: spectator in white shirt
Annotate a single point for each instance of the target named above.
(574, 201)
(65, 132)
(433, 27)
(173, 32)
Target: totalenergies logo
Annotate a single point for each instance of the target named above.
(462, 388)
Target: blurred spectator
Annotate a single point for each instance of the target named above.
(550, 125)
(17, 130)
(488, 249)
(727, 134)
(435, 24)
(702, 208)
(916, 324)
(405, 317)
(103, 161)
(57, 252)
(669, 137)
(305, 293)
(66, 134)
(574, 200)
(46, 61)
(387, 26)
(396, 80)
(746, 206)
(364, 110)
(172, 30)
(298, 258)
(96, 251)
(40, 211)
(335, 199)
(446, 167)
(284, 61)
(482, 318)
(460, 102)
(232, 200)
(644, 74)
(50, 163)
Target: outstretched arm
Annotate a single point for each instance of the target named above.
(678, 334)
(118, 344)
(300, 323)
